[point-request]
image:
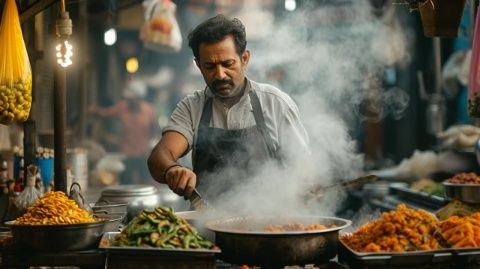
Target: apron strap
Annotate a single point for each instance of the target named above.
(261, 126)
(203, 124)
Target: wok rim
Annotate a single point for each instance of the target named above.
(12, 225)
(211, 226)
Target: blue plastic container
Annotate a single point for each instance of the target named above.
(46, 170)
(16, 166)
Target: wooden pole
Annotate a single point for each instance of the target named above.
(59, 126)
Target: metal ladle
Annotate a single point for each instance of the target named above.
(358, 182)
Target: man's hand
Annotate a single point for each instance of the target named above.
(181, 180)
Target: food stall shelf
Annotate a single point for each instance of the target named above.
(18, 259)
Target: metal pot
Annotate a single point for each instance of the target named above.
(244, 241)
(60, 237)
(139, 197)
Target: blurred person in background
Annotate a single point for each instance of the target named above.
(233, 122)
(137, 118)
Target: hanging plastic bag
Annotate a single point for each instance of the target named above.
(161, 32)
(15, 72)
(30, 194)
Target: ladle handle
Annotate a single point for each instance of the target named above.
(348, 183)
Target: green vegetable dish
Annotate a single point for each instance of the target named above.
(163, 229)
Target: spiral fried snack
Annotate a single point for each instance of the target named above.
(403, 229)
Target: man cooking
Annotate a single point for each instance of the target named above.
(234, 124)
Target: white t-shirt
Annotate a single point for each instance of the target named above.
(279, 110)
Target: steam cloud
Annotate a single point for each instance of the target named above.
(329, 70)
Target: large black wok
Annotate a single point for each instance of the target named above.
(244, 240)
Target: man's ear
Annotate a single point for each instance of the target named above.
(246, 57)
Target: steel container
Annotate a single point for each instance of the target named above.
(243, 240)
(59, 237)
(139, 197)
(469, 193)
(114, 222)
(109, 208)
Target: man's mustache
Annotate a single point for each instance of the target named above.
(219, 83)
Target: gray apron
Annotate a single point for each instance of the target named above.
(226, 157)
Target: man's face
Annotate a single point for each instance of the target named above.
(222, 68)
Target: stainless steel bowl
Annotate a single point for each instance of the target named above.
(139, 197)
(105, 207)
(244, 241)
(114, 221)
(469, 193)
(57, 237)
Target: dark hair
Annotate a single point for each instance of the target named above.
(215, 29)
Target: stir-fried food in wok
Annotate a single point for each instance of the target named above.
(161, 228)
(462, 232)
(296, 226)
(403, 229)
(54, 208)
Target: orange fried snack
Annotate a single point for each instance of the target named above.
(403, 229)
(462, 232)
(54, 208)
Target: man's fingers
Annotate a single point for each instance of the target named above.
(181, 181)
(192, 181)
(177, 184)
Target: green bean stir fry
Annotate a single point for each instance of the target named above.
(161, 228)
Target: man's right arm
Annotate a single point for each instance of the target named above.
(163, 167)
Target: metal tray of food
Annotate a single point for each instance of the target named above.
(469, 193)
(440, 259)
(418, 197)
(156, 258)
(104, 244)
(468, 258)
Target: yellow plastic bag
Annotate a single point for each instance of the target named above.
(15, 71)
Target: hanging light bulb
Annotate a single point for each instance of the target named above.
(110, 37)
(64, 53)
(64, 30)
(290, 5)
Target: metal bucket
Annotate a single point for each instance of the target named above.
(78, 159)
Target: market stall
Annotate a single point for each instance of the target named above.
(422, 212)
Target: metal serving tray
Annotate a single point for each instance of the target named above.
(156, 258)
(440, 259)
(466, 258)
(153, 251)
(418, 197)
(469, 193)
